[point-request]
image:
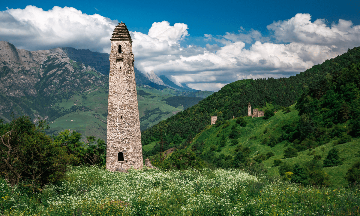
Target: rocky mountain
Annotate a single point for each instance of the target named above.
(69, 87)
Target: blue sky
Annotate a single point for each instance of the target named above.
(205, 44)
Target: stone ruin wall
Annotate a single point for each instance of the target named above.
(256, 113)
(213, 119)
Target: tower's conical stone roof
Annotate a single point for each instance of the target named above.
(121, 33)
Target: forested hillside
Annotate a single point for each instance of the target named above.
(232, 100)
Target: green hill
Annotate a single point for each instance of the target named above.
(317, 114)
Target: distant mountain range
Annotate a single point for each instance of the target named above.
(69, 87)
(100, 61)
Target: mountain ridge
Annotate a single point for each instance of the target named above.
(49, 85)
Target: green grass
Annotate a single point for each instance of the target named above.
(95, 191)
(92, 120)
(149, 146)
(257, 129)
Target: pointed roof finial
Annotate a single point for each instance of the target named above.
(121, 33)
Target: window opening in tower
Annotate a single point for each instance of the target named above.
(120, 156)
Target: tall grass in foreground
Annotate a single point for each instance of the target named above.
(94, 191)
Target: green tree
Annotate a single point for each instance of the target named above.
(241, 121)
(183, 159)
(234, 134)
(74, 147)
(95, 153)
(239, 159)
(223, 141)
(332, 159)
(177, 139)
(299, 175)
(316, 174)
(268, 113)
(28, 155)
(353, 174)
(290, 152)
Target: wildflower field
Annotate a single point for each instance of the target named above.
(95, 191)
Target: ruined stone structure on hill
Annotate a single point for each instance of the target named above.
(124, 149)
(213, 119)
(256, 112)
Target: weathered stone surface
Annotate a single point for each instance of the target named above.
(260, 113)
(123, 124)
(149, 165)
(213, 119)
(256, 112)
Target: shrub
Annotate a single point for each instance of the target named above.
(239, 159)
(285, 167)
(255, 168)
(224, 161)
(353, 174)
(332, 159)
(226, 124)
(218, 123)
(344, 138)
(234, 142)
(241, 121)
(290, 152)
(306, 144)
(277, 162)
(317, 157)
(28, 155)
(265, 141)
(273, 141)
(269, 155)
(234, 134)
(223, 141)
(315, 173)
(355, 127)
(300, 176)
(74, 147)
(286, 109)
(268, 113)
(95, 153)
(183, 159)
(259, 158)
(213, 148)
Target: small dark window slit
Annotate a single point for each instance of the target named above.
(120, 156)
(120, 117)
(119, 50)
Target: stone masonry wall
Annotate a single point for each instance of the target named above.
(213, 119)
(123, 124)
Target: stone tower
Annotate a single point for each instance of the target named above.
(249, 109)
(124, 148)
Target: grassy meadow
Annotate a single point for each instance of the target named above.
(96, 191)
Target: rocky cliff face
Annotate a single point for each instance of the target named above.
(23, 72)
(69, 88)
(42, 76)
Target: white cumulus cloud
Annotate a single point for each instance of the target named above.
(33, 28)
(294, 45)
(300, 29)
